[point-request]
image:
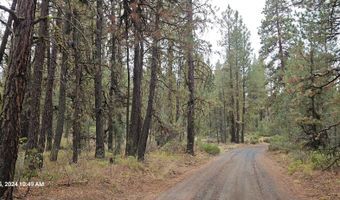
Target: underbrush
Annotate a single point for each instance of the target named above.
(174, 146)
(300, 160)
(299, 166)
(158, 164)
(281, 143)
(209, 148)
(253, 138)
(307, 161)
(257, 137)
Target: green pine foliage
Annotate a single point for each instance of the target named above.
(303, 108)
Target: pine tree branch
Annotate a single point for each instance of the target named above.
(11, 12)
(331, 164)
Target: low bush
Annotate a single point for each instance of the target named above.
(295, 166)
(280, 143)
(211, 149)
(318, 160)
(253, 138)
(307, 161)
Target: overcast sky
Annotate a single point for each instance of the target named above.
(250, 11)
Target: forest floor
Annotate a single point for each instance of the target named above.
(309, 184)
(240, 172)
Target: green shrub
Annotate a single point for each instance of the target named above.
(295, 166)
(266, 139)
(280, 143)
(253, 138)
(300, 166)
(212, 149)
(299, 154)
(317, 160)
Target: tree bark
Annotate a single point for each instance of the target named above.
(152, 88)
(76, 125)
(136, 121)
(128, 88)
(231, 84)
(178, 87)
(118, 122)
(47, 119)
(237, 98)
(112, 82)
(191, 82)
(171, 80)
(14, 94)
(127, 116)
(243, 102)
(62, 90)
(224, 120)
(35, 160)
(100, 150)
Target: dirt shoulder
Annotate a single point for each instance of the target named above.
(311, 185)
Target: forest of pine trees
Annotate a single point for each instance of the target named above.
(118, 76)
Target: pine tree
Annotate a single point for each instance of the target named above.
(276, 33)
(14, 93)
(237, 61)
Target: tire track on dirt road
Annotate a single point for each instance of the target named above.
(234, 175)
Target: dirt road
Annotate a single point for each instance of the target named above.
(236, 175)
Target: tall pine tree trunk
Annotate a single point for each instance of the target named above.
(171, 80)
(224, 121)
(14, 94)
(112, 82)
(152, 88)
(237, 102)
(191, 81)
(34, 124)
(178, 87)
(77, 115)
(100, 150)
(47, 117)
(62, 90)
(127, 116)
(243, 103)
(136, 122)
(118, 120)
(231, 112)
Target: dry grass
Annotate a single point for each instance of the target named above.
(316, 184)
(98, 179)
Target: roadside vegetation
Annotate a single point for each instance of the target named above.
(117, 177)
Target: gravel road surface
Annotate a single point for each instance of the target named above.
(238, 174)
